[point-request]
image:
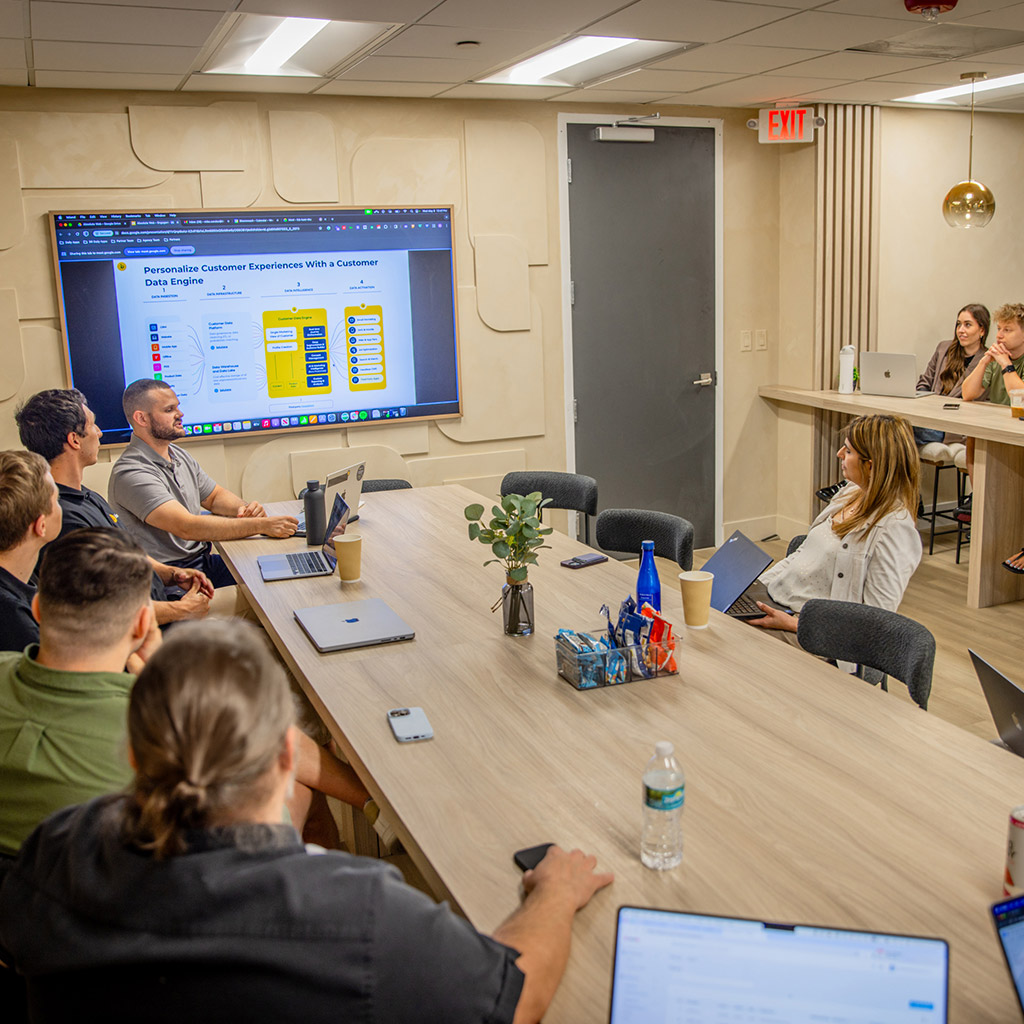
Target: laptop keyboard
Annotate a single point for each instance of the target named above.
(305, 562)
(744, 605)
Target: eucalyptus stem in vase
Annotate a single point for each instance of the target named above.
(514, 534)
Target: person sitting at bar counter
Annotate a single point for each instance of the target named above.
(189, 897)
(864, 546)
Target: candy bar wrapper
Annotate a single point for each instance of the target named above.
(662, 642)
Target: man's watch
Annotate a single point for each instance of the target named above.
(1009, 368)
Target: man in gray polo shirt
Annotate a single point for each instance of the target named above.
(159, 491)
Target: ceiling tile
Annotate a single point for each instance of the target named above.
(477, 91)
(849, 64)
(104, 80)
(346, 88)
(104, 23)
(1009, 17)
(536, 15)
(13, 76)
(157, 60)
(12, 53)
(590, 96)
(858, 92)
(411, 69)
(948, 72)
(249, 83)
(888, 9)
(12, 20)
(823, 31)
(1015, 103)
(495, 46)
(701, 21)
(186, 5)
(402, 11)
(664, 81)
(738, 59)
(756, 91)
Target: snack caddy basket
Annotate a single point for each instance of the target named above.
(588, 670)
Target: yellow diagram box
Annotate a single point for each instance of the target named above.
(364, 348)
(295, 345)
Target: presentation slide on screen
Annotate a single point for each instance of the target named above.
(283, 334)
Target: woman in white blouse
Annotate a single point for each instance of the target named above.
(864, 546)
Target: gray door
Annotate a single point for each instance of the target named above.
(642, 265)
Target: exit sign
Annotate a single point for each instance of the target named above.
(788, 124)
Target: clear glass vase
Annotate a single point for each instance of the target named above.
(517, 608)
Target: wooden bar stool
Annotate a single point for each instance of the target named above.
(933, 513)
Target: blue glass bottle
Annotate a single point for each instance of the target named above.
(648, 585)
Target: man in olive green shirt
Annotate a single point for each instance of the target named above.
(1001, 366)
(63, 701)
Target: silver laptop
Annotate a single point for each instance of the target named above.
(339, 627)
(672, 965)
(298, 565)
(1005, 702)
(889, 373)
(347, 482)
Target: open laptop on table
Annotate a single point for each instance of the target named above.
(299, 565)
(889, 373)
(347, 482)
(672, 965)
(736, 566)
(1005, 702)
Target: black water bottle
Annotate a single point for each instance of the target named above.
(316, 513)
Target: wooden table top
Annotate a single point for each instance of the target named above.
(985, 420)
(811, 796)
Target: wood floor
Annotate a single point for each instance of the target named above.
(936, 597)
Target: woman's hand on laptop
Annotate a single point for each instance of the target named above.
(774, 619)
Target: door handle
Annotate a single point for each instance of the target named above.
(704, 380)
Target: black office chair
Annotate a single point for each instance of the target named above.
(624, 529)
(795, 543)
(386, 484)
(873, 638)
(573, 491)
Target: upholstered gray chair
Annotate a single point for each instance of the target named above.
(874, 639)
(386, 484)
(573, 491)
(624, 529)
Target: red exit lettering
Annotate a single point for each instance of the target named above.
(786, 125)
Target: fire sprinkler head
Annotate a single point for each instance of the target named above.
(931, 9)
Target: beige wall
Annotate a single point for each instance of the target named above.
(496, 162)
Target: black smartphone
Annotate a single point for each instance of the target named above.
(528, 859)
(582, 561)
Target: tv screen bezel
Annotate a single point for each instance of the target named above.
(266, 432)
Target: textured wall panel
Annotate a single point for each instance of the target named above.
(12, 366)
(502, 282)
(12, 213)
(408, 439)
(187, 138)
(502, 379)
(423, 172)
(305, 156)
(76, 151)
(43, 368)
(29, 266)
(380, 460)
(443, 469)
(237, 188)
(505, 177)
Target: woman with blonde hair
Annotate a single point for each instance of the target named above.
(864, 546)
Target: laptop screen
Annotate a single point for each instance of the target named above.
(677, 966)
(1009, 919)
(336, 524)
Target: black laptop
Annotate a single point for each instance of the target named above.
(1005, 702)
(736, 566)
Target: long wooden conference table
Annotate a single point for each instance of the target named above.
(811, 796)
(997, 525)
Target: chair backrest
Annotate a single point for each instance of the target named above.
(874, 637)
(573, 491)
(793, 544)
(390, 483)
(624, 529)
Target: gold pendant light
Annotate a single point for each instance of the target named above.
(969, 204)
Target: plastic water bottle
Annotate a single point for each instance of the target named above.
(315, 508)
(648, 585)
(661, 843)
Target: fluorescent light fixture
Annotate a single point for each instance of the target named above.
(941, 95)
(287, 39)
(566, 55)
(585, 60)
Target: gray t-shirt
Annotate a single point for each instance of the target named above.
(142, 481)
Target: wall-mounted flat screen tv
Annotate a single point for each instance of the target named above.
(262, 320)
